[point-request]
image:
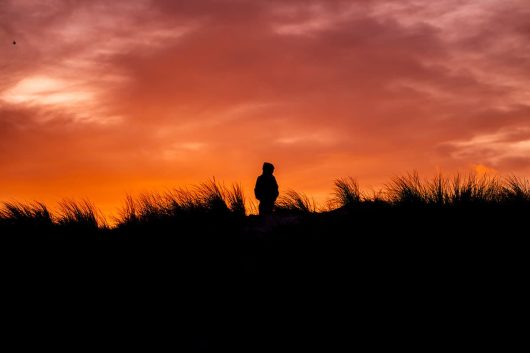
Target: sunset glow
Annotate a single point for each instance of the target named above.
(103, 98)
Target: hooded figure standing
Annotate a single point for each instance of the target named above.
(266, 190)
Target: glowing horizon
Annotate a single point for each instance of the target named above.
(99, 100)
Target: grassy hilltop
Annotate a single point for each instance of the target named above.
(466, 199)
(443, 220)
(425, 250)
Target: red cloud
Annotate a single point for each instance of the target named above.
(141, 94)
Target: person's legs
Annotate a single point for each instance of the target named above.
(265, 207)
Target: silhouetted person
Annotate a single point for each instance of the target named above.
(266, 190)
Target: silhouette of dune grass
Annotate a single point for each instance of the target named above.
(184, 252)
(209, 198)
(346, 193)
(516, 190)
(213, 199)
(82, 215)
(34, 214)
(292, 201)
(456, 191)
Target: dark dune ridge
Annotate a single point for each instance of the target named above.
(397, 264)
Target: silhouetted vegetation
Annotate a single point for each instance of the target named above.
(187, 246)
(445, 191)
(214, 200)
(292, 201)
(347, 193)
(83, 216)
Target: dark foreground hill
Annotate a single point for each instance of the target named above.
(370, 273)
(295, 281)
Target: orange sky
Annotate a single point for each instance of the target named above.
(103, 98)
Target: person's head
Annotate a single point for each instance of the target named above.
(268, 168)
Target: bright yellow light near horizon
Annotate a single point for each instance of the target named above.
(481, 169)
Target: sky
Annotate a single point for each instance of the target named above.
(99, 99)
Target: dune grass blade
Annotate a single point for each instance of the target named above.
(516, 189)
(82, 215)
(346, 193)
(32, 214)
(407, 190)
(235, 199)
(297, 202)
(475, 189)
(437, 191)
(211, 197)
